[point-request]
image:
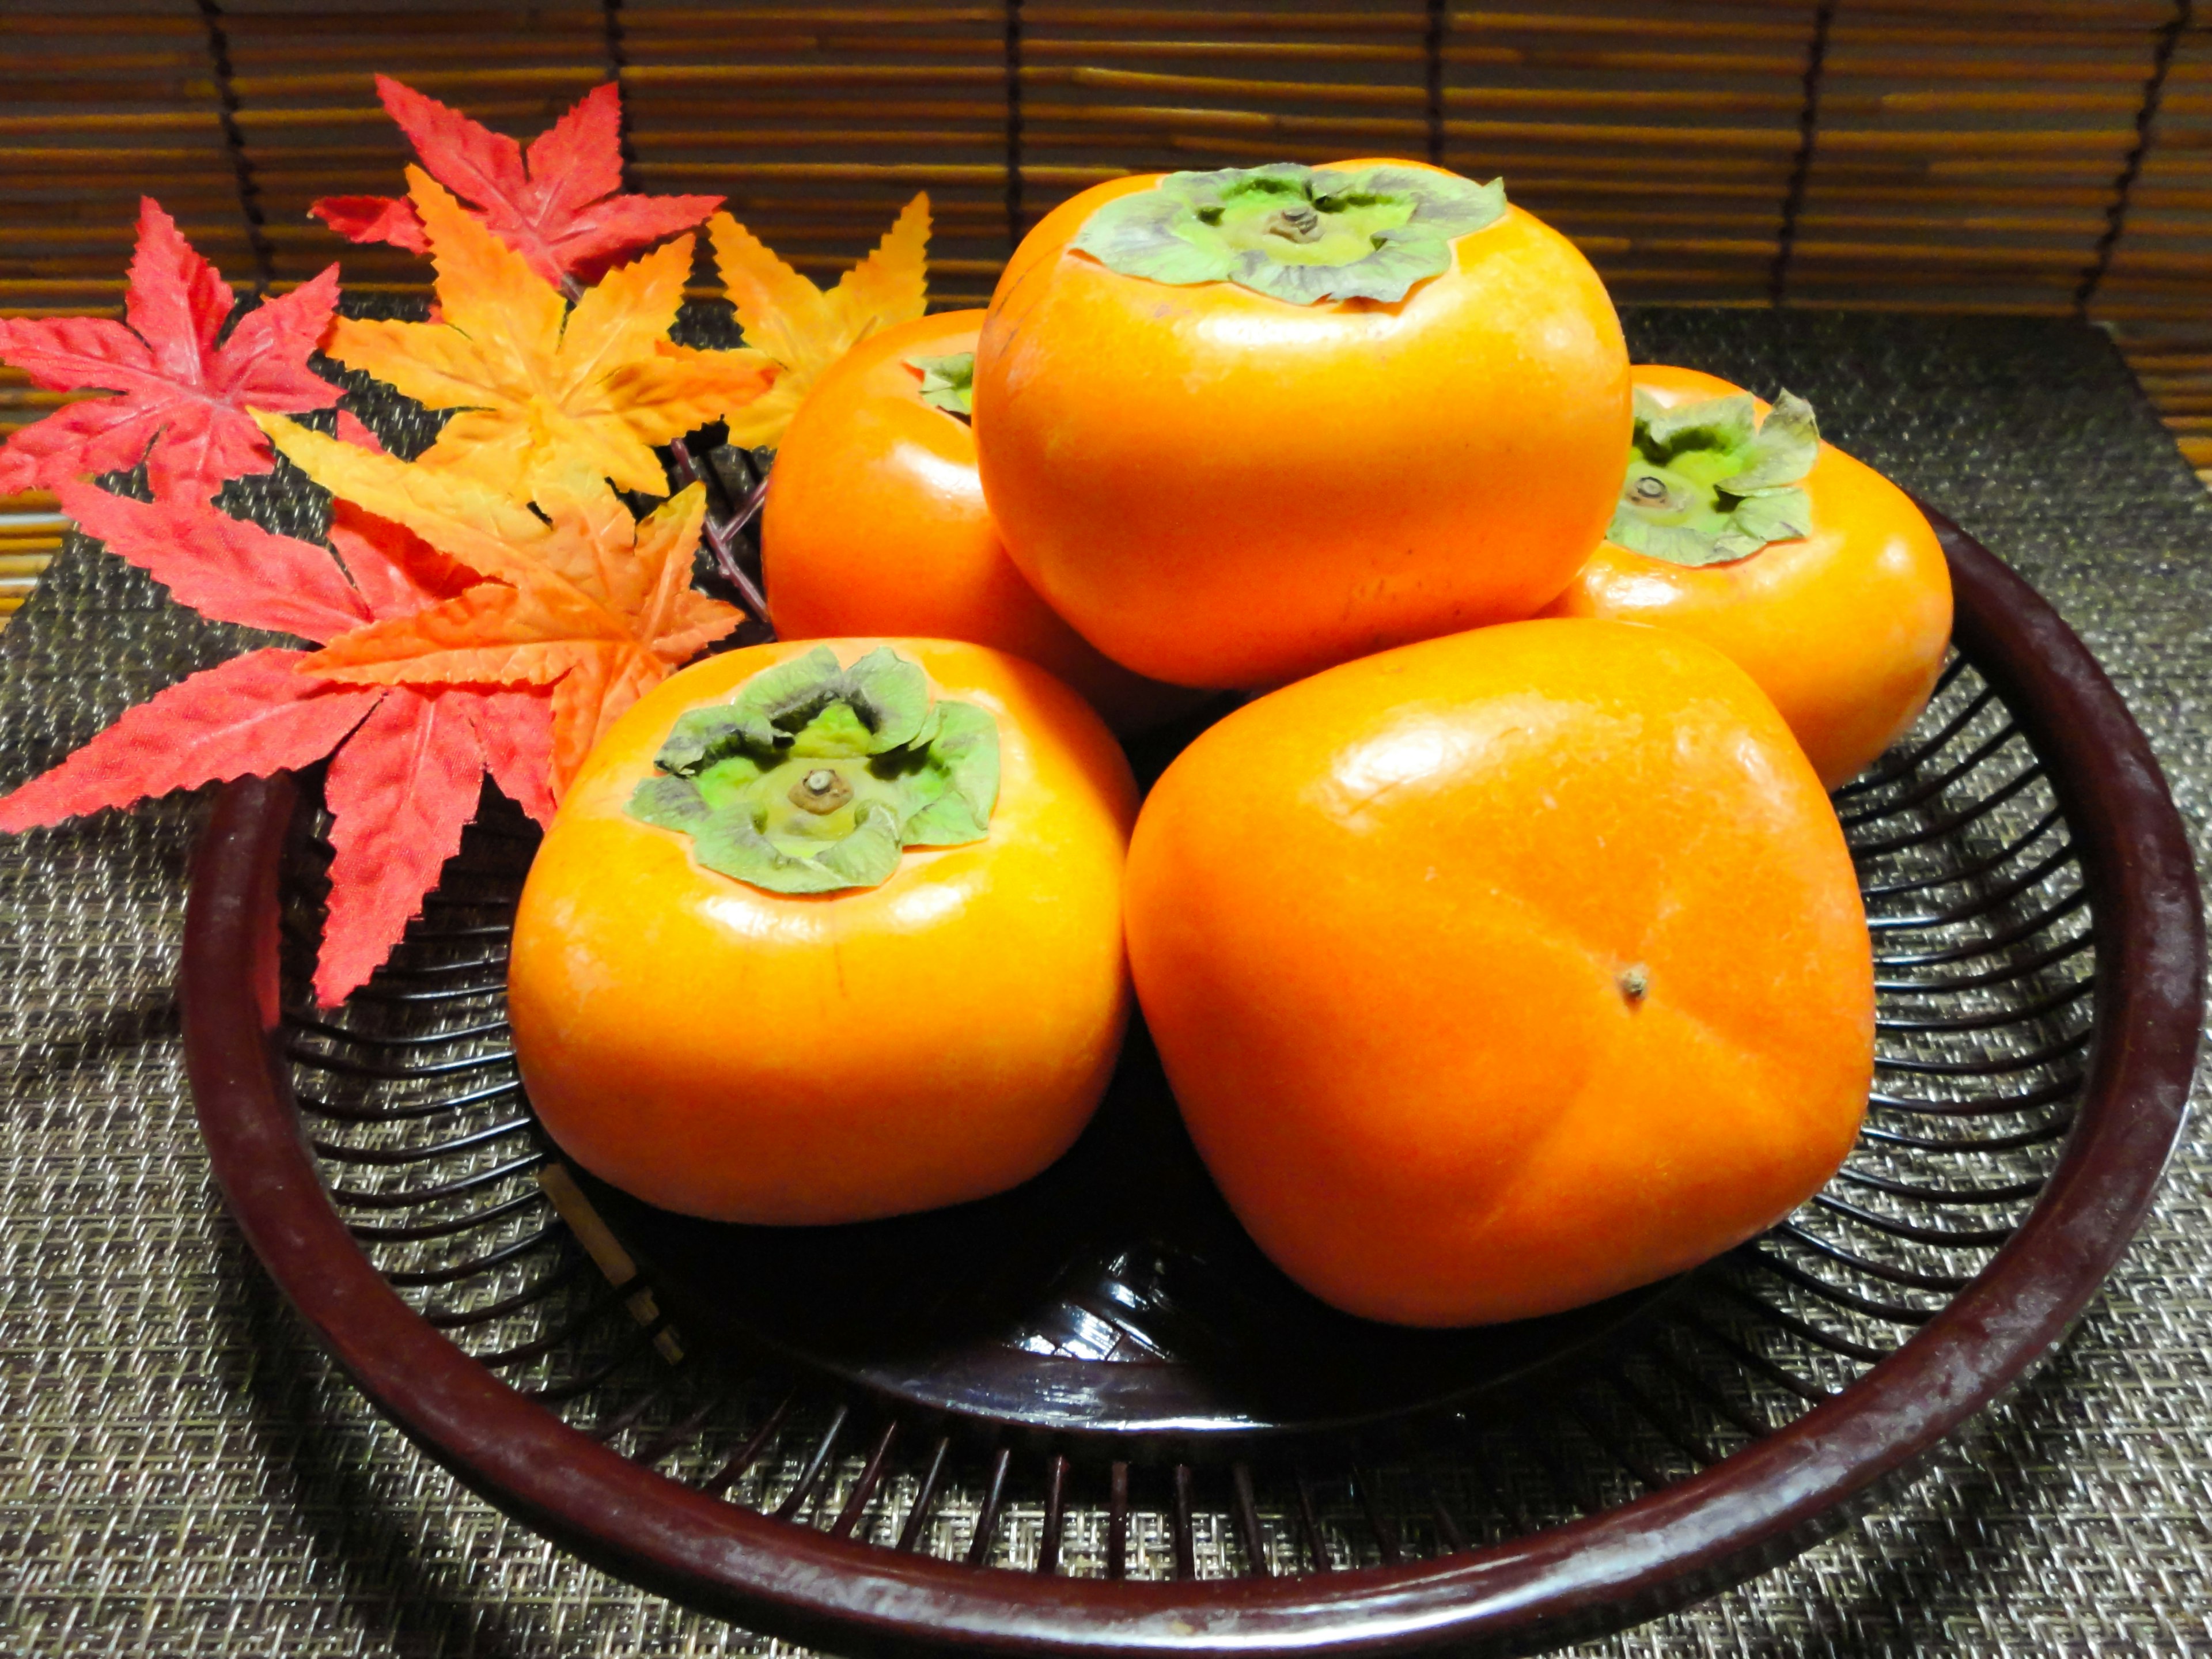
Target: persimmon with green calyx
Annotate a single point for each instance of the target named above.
(1738, 524)
(824, 933)
(1237, 426)
(1504, 972)
(875, 524)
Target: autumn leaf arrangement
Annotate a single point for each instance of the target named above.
(489, 607)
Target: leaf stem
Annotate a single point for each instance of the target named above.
(722, 533)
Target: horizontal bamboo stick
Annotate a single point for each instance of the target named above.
(399, 52)
(186, 120)
(771, 75)
(2121, 69)
(1810, 251)
(921, 173)
(88, 20)
(2084, 225)
(1667, 24)
(642, 22)
(585, 72)
(48, 155)
(890, 140)
(30, 285)
(666, 104)
(115, 235)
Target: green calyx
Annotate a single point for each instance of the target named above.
(948, 383)
(1299, 233)
(815, 778)
(1710, 482)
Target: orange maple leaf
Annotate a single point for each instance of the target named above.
(588, 599)
(798, 328)
(547, 391)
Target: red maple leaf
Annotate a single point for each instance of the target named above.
(406, 762)
(181, 398)
(557, 204)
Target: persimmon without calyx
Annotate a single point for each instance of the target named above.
(1818, 575)
(875, 524)
(1239, 426)
(829, 932)
(1504, 972)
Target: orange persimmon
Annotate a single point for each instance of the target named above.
(1504, 972)
(875, 524)
(1239, 426)
(1843, 619)
(830, 931)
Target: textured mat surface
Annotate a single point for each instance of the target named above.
(181, 1473)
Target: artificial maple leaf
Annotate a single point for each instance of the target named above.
(800, 329)
(226, 568)
(589, 601)
(181, 398)
(252, 715)
(556, 204)
(400, 792)
(406, 762)
(545, 390)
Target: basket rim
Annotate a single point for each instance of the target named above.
(1601, 1571)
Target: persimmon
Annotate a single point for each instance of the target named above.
(1504, 972)
(1817, 575)
(1237, 426)
(829, 932)
(875, 523)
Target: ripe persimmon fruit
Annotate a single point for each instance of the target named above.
(1504, 972)
(1239, 426)
(828, 932)
(875, 524)
(1816, 575)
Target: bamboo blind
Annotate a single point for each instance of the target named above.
(2041, 155)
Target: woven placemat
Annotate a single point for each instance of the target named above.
(181, 1472)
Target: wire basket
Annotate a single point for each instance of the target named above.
(1086, 1415)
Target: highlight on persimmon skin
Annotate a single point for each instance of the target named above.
(1504, 972)
(807, 1058)
(1845, 628)
(875, 524)
(1219, 487)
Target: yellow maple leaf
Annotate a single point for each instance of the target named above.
(546, 391)
(801, 329)
(588, 599)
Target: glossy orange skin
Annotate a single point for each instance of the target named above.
(1844, 629)
(745, 1056)
(875, 524)
(1221, 489)
(1379, 921)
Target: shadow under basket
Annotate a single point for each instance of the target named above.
(1086, 1416)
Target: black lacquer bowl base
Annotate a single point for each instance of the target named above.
(1115, 1295)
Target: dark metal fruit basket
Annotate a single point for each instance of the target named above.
(1086, 1416)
